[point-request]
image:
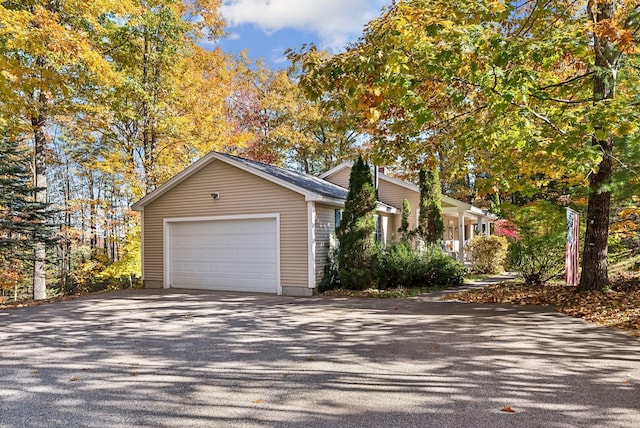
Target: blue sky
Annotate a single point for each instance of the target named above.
(266, 28)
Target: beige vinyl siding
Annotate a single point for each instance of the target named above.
(241, 193)
(325, 226)
(341, 177)
(394, 195)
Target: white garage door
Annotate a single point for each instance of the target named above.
(239, 255)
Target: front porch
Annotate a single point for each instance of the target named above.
(461, 223)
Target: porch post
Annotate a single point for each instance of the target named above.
(461, 236)
(487, 230)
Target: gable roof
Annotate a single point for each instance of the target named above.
(313, 188)
(459, 205)
(336, 168)
(307, 182)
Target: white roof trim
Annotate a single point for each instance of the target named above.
(335, 169)
(411, 186)
(325, 200)
(204, 161)
(459, 205)
(399, 182)
(386, 208)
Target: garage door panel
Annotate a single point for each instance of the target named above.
(224, 255)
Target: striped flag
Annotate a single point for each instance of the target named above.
(572, 260)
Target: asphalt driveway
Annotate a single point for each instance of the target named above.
(172, 358)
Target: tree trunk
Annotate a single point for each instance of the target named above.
(93, 239)
(594, 257)
(40, 183)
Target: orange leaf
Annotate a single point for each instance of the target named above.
(508, 409)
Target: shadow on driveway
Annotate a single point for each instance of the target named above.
(188, 358)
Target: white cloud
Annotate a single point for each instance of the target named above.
(336, 22)
(278, 57)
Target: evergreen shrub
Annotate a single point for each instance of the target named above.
(403, 267)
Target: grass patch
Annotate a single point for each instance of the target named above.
(474, 277)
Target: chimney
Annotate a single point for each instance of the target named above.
(382, 170)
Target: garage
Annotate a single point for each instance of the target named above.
(223, 254)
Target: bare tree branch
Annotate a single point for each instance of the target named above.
(566, 82)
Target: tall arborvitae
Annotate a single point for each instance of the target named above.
(404, 223)
(430, 223)
(358, 254)
(23, 221)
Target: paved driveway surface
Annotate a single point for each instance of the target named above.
(187, 359)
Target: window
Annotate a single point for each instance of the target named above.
(338, 216)
(378, 222)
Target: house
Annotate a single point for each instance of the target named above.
(228, 223)
(461, 220)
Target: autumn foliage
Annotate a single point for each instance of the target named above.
(617, 307)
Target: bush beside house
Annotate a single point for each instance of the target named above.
(402, 266)
(362, 264)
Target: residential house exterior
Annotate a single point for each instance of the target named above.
(228, 223)
(461, 220)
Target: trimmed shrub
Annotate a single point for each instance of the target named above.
(403, 267)
(442, 269)
(488, 254)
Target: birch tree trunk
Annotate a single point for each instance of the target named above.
(38, 122)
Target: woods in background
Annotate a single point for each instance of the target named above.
(102, 102)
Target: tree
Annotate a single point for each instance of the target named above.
(168, 109)
(357, 254)
(280, 125)
(50, 52)
(404, 222)
(23, 220)
(531, 93)
(430, 223)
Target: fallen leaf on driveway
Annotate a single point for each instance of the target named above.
(309, 358)
(73, 379)
(258, 401)
(508, 409)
